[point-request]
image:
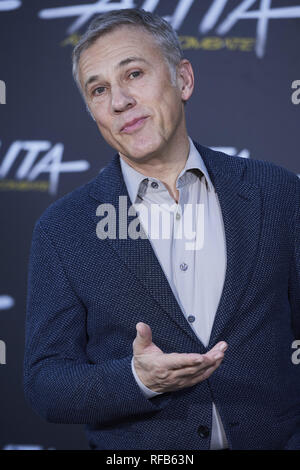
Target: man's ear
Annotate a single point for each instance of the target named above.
(185, 78)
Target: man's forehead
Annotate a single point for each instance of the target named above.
(127, 38)
(128, 30)
(110, 49)
(121, 37)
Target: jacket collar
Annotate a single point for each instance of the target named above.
(110, 182)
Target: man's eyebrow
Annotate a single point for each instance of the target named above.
(131, 59)
(123, 62)
(90, 80)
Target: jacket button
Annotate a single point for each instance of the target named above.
(203, 431)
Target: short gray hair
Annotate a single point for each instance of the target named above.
(161, 30)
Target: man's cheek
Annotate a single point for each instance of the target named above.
(104, 130)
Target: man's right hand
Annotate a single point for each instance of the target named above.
(162, 372)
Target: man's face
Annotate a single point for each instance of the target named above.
(128, 88)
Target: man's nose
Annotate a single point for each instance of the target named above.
(121, 99)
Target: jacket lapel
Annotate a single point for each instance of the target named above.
(240, 205)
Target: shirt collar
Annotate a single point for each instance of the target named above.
(136, 182)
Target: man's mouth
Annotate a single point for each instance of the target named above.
(133, 125)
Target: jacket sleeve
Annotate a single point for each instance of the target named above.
(60, 383)
(294, 280)
(294, 298)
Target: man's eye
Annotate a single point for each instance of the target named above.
(134, 74)
(98, 91)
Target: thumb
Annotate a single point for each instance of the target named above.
(143, 338)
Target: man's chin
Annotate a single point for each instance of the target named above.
(139, 153)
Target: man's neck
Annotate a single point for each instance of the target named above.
(165, 167)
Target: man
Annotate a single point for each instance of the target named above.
(127, 334)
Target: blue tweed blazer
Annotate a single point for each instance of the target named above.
(85, 296)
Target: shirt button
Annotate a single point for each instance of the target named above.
(183, 267)
(178, 216)
(191, 318)
(154, 184)
(203, 432)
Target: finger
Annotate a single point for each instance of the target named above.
(205, 374)
(216, 352)
(180, 360)
(208, 359)
(220, 346)
(177, 361)
(190, 372)
(183, 381)
(207, 363)
(143, 338)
